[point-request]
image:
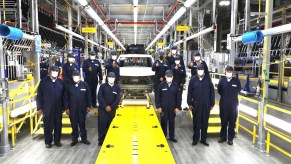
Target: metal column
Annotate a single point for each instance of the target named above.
(265, 75)
(19, 14)
(185, 55)
(232, 55)
(70, 37)
(35, 28)
(214, 21)
(86, 42)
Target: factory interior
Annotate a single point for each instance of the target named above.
(249, 38)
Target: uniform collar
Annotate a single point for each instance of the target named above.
(53, 80)
(228, 80)
(201, 78)
(111, 85)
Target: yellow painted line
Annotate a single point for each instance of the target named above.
(135, 136)
(214, 120)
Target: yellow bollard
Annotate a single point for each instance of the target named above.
(254, 134)
(268, 142)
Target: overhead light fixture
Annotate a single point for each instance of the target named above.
(93, 15)
(224, 3)
(188, 3)
(135, 3)
(178, 15)
(135, 15)
(83, 2)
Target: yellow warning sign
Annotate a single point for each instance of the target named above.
(151, 50)
(160, 44)
(182, 28)
(110, 43)
(119, 50)
(89, 30)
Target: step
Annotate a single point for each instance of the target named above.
(213, 129)
(65, 121)
(65, 130)
(214, 120)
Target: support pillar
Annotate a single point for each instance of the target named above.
(232, 55)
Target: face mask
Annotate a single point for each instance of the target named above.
(174, 51)
(197, 58)
(111, 80)
(76, 79)
(169, 79)
(200, 72)
(177, 62)
(229, 75)
(114, 57)
(92, 57)
(54, 74)
(72, 60)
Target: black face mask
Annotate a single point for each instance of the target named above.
(161, 57)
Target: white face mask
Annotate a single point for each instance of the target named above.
(72, 60)
(54, 74)
(229, 75)
(177, 61)
(76, 79)
(174, 51)
(197, 58)
(114, 57)
(111, 80)
(92, 57)
(169, 79)
(200, 72)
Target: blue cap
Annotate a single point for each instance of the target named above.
(71, 55)
(111, 74)
(161, 53)
(177, 57)
(200, 66)
(168, 72)
(92, 53)
(195, 53)
(113, 53)
(173, 47)
(76, 73)
(54, 68)
(229, 68)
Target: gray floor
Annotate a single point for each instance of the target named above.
(32, 151)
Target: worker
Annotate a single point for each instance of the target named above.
(108, 97)
(50, 103)
(169, 104)
(92, 70)
(113, 66)
(228, 88)
(196, 61)
(69, 68)
(78, 104)
(201, 100)
(44, 65)
(179, 73)
(172, 54)
(160, 66)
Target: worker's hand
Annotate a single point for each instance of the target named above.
(161, 79)
(100, 81)
(191, 64)
(68, 112)
(39, 112)
(157, 64)
(108, 108)
(113, 65)
(88, 109)
(169, 54)
(90, 69)
(190, 107)
(159, 110)
(177, 110)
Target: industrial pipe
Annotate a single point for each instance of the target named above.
(14, 33)
(252, 37)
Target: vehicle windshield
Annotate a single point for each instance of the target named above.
(135, 61)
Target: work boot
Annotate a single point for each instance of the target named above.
(205, 143)
(73, 143)
(230, 142)
(221, 140)
(48, 146)
(58, 144)
(173, 140)
(85, 142)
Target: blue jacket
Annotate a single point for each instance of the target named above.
(160, 70)
(68, 70)
(179, 74)
(229, 92)
(168, 98)
(108, 95)
(95, 73)
(109, 68)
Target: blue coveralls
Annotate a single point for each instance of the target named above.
(179, 76)
(228, 106)
(159, 72)
(168, 98)
(109, 68)
(194, 68)
(171, 60)
(107, 95)
(91, 78)
(78, 98)
(201, 97)
(43, 69)
(68, 70)
(50, 99)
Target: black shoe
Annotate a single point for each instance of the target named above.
(205, 143)
(48, 145)
(85, 142)
(221, 140)
(194, 143)
(100, 143)
(230, 142)
(173, 140)
(58, 144)
(73, 143)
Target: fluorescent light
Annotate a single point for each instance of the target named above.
(135, 33)
(205, 31)
(188, 3)
(224, 3)
(178, 15)
(135, 2)
(135, 14)
(83, 2)
(94, 15)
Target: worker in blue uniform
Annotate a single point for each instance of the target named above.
(160, 66)
(201, 100)
(168, 103)
(196, 61)
(179, 73)
(112, 65)
(108, 97)
(50, 103)
(172, 54)
(93, 74)
(44, 65)
(69, 68)
(228, 88)
(78, 104)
